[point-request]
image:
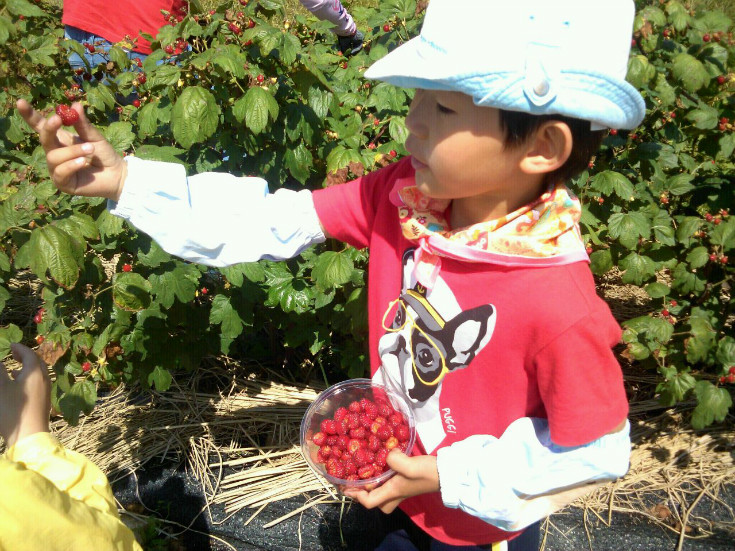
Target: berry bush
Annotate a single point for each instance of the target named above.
(659, 200)
(249, 88)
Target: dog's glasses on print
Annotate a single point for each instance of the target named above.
(428, 354)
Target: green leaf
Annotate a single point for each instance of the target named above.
(690, 72)
(181, 283)
(100, 98)
(686, 281)
(727, 146)
(676, 388)
(79, 223)
(109, 224)
(161, 378)
(257, 106)
(223, 313)
(726, 351)
(640, 71)
(657, 290)
(680, 184)
(637, 268)
(319, 101)
(81, 397)
(332, 269)
(10, 334)
(713, 404)
(705, 117)
(299, 161)
(397, 129)
(627, 228)
(25, 8)
(701, 341)
(53, 249)
(697, 257)
(195, 116)
(341, 157)
(724, 234)
(131, 292)
(601, 261)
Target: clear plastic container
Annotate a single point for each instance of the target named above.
(341, 395)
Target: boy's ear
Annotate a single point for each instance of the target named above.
(548, 148)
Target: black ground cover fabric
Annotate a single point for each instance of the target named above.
(176, 496)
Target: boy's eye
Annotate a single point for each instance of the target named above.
(442, 109)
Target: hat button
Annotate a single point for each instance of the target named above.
(541, 88)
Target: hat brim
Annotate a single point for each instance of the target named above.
(603, 100)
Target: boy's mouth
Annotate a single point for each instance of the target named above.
(417, 165)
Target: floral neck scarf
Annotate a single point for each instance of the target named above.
(542, 233)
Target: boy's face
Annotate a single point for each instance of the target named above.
(458, 150)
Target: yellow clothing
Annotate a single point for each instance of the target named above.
(54, 499)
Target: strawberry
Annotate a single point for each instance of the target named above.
(342, 427)
(328, 426)
(353, 445)
(402, 432)
(381, 457)
(366, 471)
(371, 410)
(384, 432)
(360, 433)
(335, 468)
(319, 439)
(332, 440)
(361, 457)
(396, 419)
(391, 443)
(366, 420)
(352, 477)
(384, 409)
(374, 443)
(350, 467)
(326, 450)
(340, 413)
(378, 469)
(355, 407)
(342, 441)
(67, 114)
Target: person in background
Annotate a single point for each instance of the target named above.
(52, 498)
(349, 39)
(98, 25)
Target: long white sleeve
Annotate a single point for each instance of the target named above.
(521, 477)
(215, 218)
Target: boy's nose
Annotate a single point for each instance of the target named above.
(416, 117)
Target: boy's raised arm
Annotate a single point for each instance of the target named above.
(82, 164)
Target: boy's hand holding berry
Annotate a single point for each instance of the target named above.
(414, 476)
(25, 401)
(79, 164)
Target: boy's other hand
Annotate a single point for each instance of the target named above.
(25, 401)
(84, 164)
(414, 476)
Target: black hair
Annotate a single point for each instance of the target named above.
(519, 126)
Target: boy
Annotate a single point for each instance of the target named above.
(53, 498)
(482, 308)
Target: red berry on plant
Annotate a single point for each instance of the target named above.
(386, 27)
(673, 303)
(127, 268)
(86, 366)
(136, 103)
(731, 378)
(706, 37)
(260, 78)
(169, 49)
(40, 339)
(665, 312)
(392, 153)
(613, 131)
(67, 114)
(721, 79)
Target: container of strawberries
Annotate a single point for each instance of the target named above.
(347, 433)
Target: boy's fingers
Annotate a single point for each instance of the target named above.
(61, 155)
(28, 358)
(86, 130)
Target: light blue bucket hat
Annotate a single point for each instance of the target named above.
(567, 57)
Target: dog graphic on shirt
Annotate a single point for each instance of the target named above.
(428, 337)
